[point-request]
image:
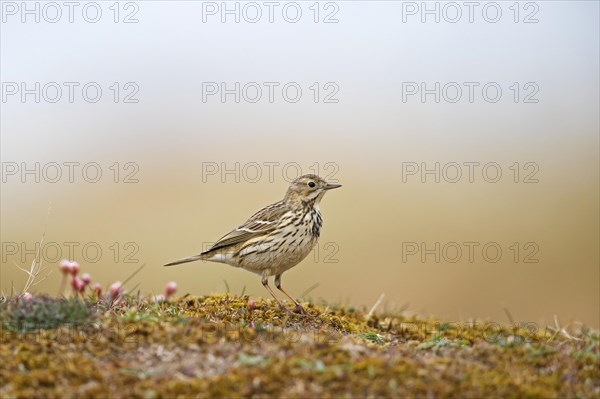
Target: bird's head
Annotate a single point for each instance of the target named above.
(308, 189)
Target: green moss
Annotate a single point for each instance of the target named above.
(43, 312)
(218, 346)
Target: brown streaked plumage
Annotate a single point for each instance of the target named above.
(277, 237)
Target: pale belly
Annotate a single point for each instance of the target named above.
(273, 255)
(276, 257)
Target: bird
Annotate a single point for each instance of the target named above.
(276, 238)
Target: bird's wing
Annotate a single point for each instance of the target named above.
(262, 222)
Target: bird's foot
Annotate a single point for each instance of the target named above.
(284, 308)
(299, 309)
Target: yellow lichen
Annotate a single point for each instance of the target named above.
(219, 346)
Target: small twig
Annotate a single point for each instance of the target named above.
(22, 269)
(556, 332)
(563, 331)
(134, 288)
(43, 278)
(509, 315)
(133, 274)
(375, 306)
(309, 290)
(36, 265)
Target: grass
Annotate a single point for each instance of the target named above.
(43, 312)
(216, 346)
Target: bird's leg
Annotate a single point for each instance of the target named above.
(299, 308)
(265, 283)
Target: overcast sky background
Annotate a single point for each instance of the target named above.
(170, 139)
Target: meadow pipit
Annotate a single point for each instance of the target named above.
(277, 237)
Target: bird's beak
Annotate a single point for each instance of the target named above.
(329, 186)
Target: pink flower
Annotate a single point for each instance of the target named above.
(251, 304)
(170, 289)
(97, 289)
(74, 266)
(27, 297)
(86, 278)
(65, 266)
(116, 290)
(77, 284)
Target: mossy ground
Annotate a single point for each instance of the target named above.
(218, 346)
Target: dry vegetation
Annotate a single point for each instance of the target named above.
(231, 346)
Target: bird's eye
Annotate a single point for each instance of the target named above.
(311, 184)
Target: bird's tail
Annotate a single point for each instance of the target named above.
(186, 260)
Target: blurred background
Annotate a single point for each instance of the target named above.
(147, 157)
